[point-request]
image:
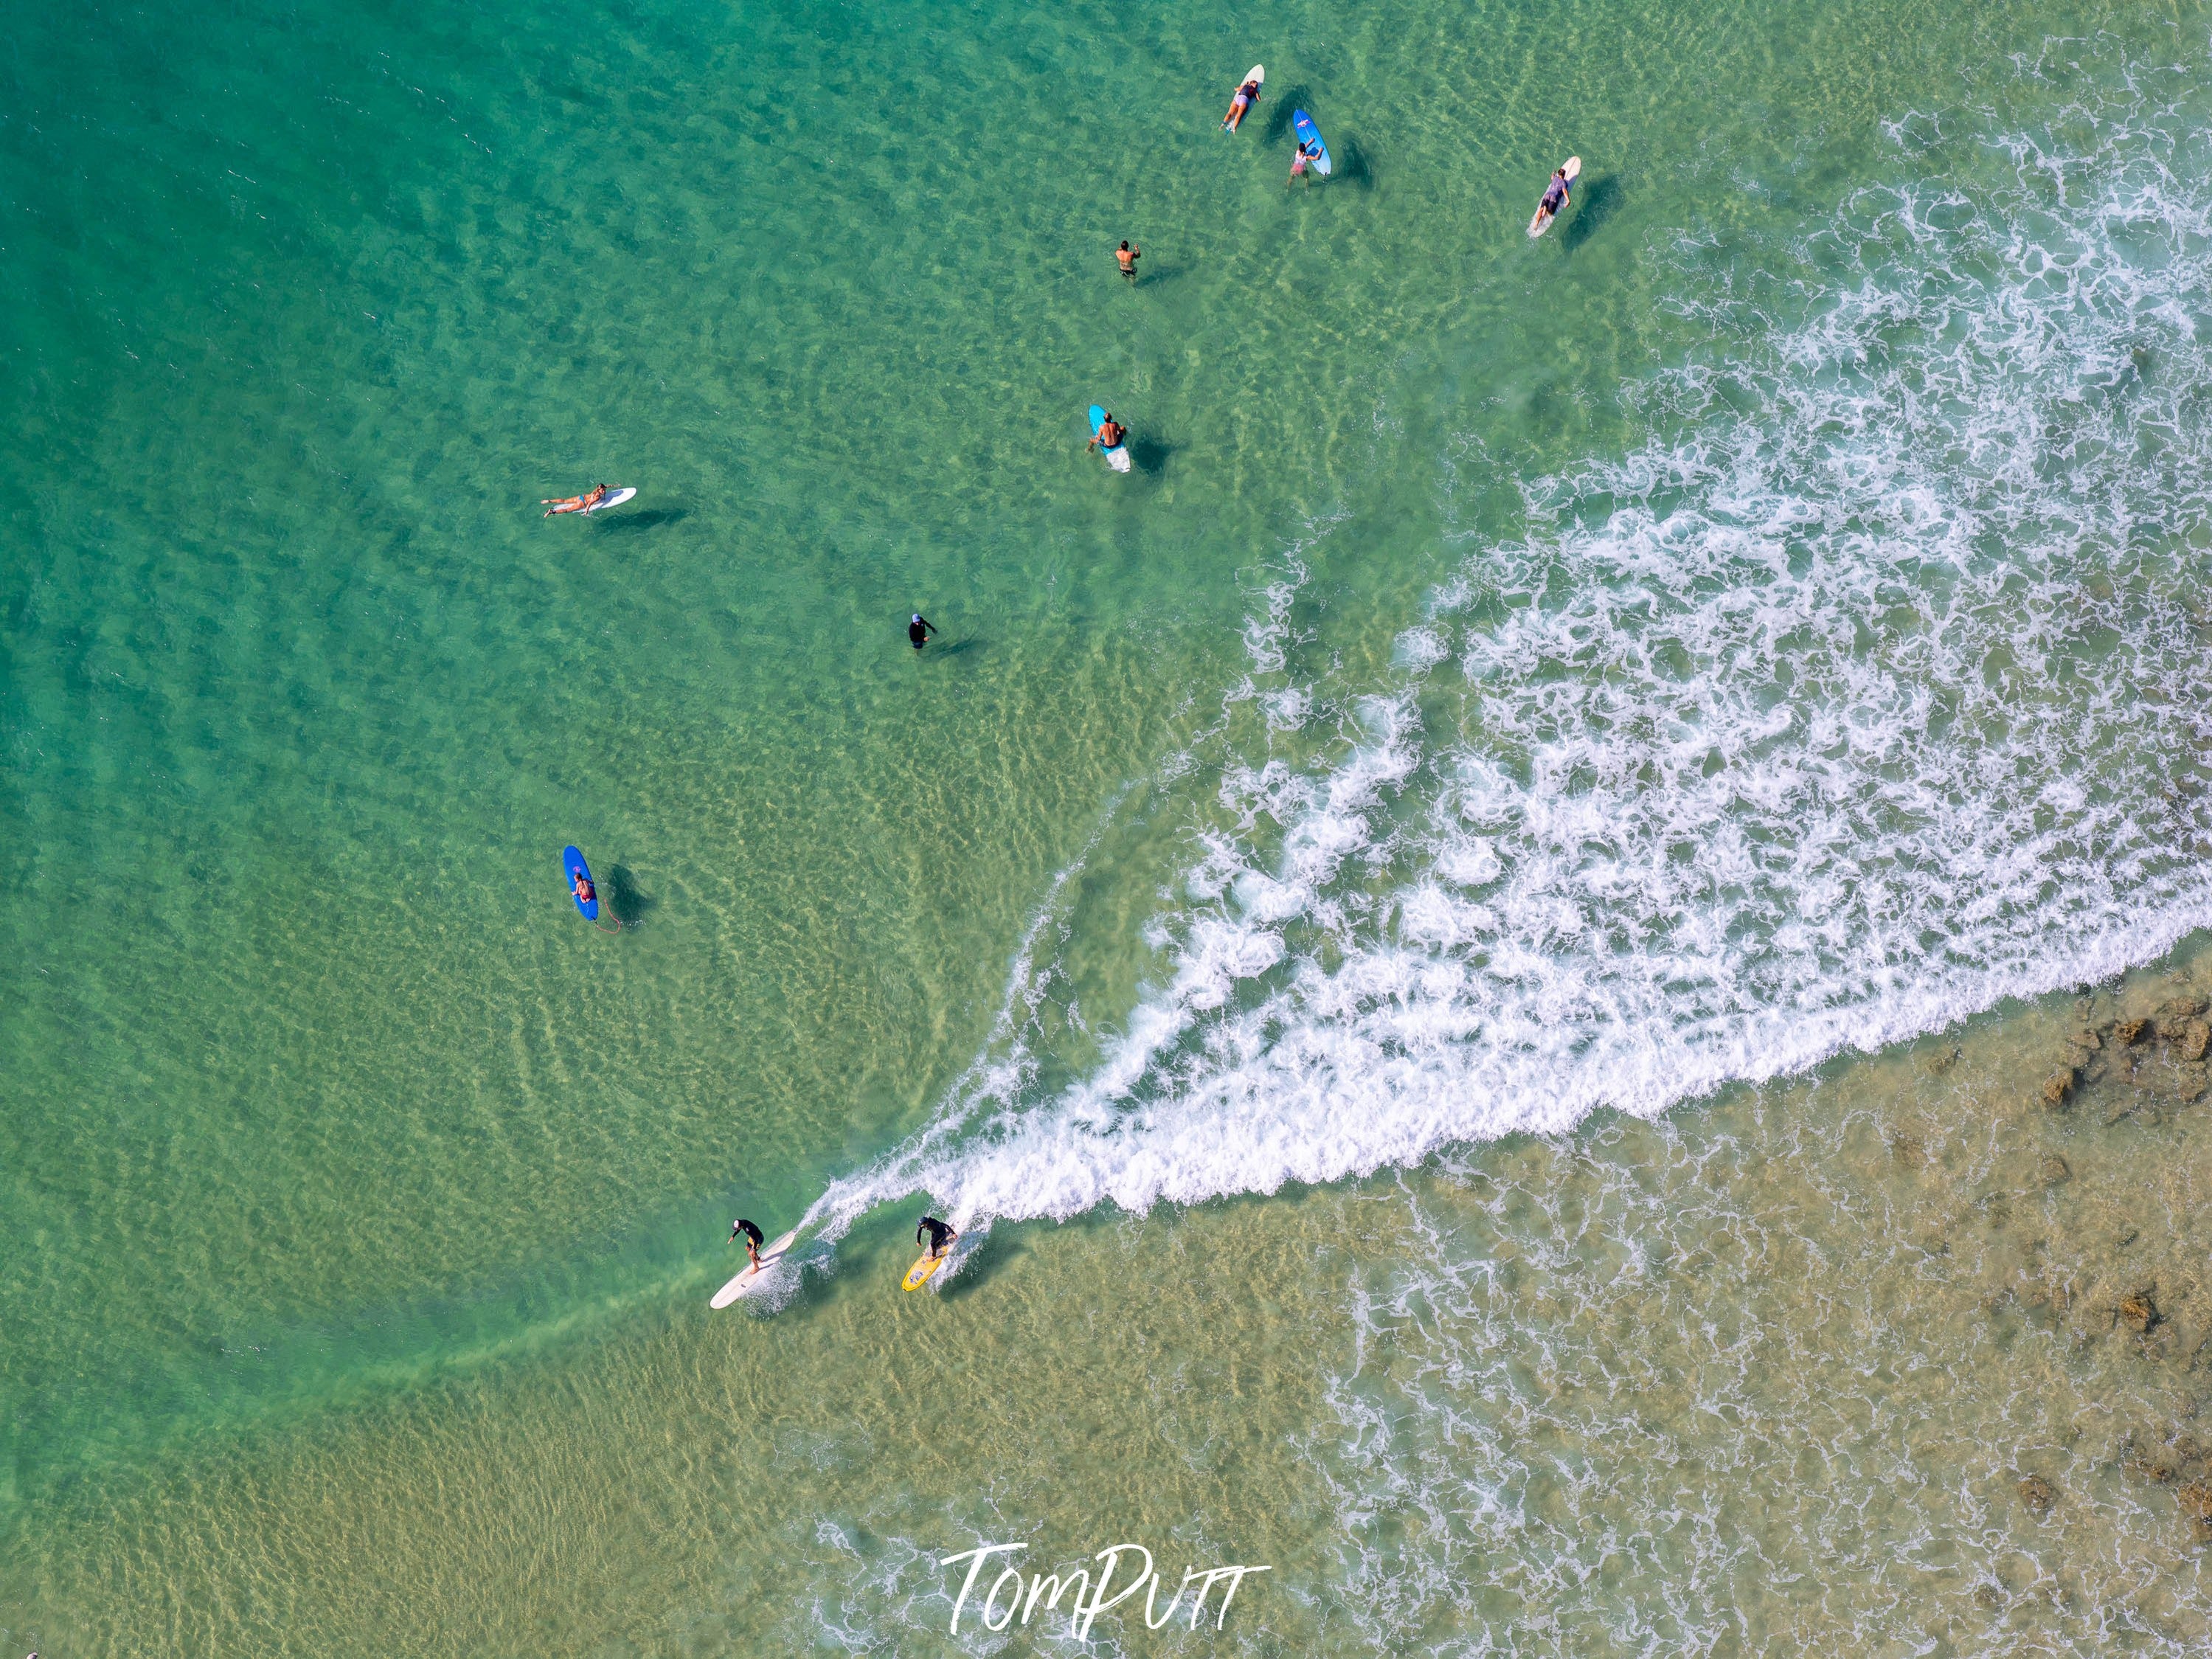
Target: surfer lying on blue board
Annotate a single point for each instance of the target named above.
(1109, 435)
(934, 1236)
(1238, 105)
(751, 1235)
(583, 503)
(586, 893)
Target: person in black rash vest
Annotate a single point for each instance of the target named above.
(752, 1237)
(933, 1236)
(920, 629)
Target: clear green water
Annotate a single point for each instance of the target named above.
(358, 1205)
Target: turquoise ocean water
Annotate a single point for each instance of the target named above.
(1533, 701)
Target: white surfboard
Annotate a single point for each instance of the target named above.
(1542, 222)
(615, 498)
(752, 1275)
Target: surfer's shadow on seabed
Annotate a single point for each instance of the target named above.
(1150, 455)
(1599, 200)
(1351, 164)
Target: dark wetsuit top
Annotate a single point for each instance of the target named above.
(750, 1233)
(919, 630)
(932, 1234)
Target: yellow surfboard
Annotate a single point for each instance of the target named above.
(918, 1275)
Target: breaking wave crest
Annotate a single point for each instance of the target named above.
(1865, 691)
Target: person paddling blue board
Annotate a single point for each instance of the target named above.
(583, 889)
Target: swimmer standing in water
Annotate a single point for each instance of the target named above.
(919, 629)
(1127, 257)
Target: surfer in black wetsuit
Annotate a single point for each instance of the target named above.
(752, 1237)
(919, 629)
(933, 1236)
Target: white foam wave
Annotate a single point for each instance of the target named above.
(1866, 692)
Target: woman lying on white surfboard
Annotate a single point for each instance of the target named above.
(1247, 93)
(591, 501)
(583, 503)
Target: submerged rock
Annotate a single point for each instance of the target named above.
(2055, 1170)
(2035, 1492)
(2139, 1310)
(2196, 1503)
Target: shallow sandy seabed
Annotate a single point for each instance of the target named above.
(1840, 1362)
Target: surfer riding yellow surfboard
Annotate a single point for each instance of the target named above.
(936, 1239)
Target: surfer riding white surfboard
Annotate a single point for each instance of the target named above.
(762, 1261)
(1556, 194)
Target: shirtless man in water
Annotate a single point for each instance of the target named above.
(1127, 257)
(1109, 433)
